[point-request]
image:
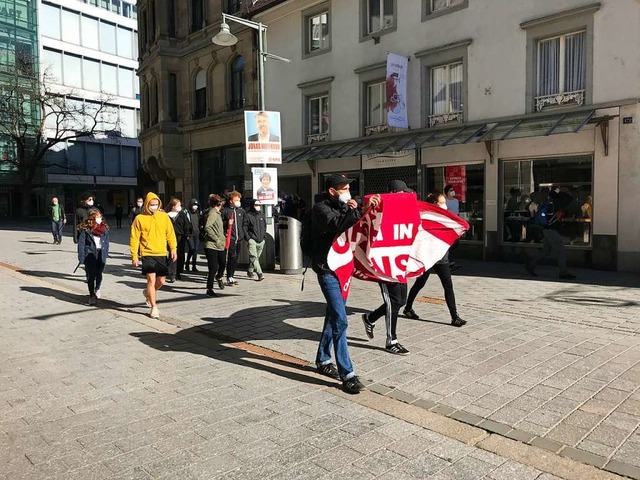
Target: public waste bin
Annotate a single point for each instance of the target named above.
(289, 230)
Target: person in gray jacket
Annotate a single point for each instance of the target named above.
(214, 244)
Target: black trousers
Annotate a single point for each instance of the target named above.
(232, 259)
(193, 243)
(118, 221)
(394, 296)
(216, 260)
(182, 244)
(443, 271)
(93, 268)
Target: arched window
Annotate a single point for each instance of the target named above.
(200, 108)
(145, 106)
(153, 102)
(237, 80)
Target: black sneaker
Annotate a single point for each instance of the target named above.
(353, 385)
(397, 349)
(458, 322)
(566, 276)
(250, 274)
(328, 370)
(530, 269)
(211, 293)
(220, 284)
(260, 277)
(368, 327)
(171, 280)
(186, 268)
(409, 313)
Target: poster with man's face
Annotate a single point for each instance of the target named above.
(262, 131)
(265, 185)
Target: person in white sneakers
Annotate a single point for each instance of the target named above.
(151, 232)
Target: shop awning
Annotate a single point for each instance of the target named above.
(526, 126)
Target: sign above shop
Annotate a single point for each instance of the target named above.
(404, 158)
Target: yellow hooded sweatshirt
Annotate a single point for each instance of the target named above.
(151, 232)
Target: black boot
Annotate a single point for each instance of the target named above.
(456, 321)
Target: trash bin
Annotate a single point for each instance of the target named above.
(289, 230)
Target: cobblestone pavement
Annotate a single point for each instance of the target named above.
(551, 363)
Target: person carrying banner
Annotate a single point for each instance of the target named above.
(333, 214)
(394, 296)
(443, 270)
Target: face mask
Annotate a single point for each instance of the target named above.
(194, 208)
(237, 204)
(55, 203)
(443, 206)
(153, 208)
(258, 208)
(345, 197)
(98, 221)
(452, 194)
(177, 209)
(139, 204)
(90, 203)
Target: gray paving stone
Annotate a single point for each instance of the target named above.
(623, 469)
(567, 434)
(449, 450)
(584, 457)
(379, 462)
(547, 444)
(423, 465)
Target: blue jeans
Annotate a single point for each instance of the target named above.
(56, 229)
(334, 332)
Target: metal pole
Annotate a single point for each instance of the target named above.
(261, 99)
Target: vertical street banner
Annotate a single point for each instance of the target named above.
(265, 185)
(262, 132)
(456, 176)
(397, 91)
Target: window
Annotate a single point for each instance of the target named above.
(237, 83)
(200, 109)
(52, 62)
(90, 35)
(438, 5)
(233, 6)
(446, 94)
(72, 66)
(145, 106)
(128, 122)
(526, 185)
(197, 15)
(380, 15)
(376, 104)
(126, 9)
(109, 79)
(318, 32)
(125, 82)
(561, 67)
(108, 38)
(171, 18)
(125, 42)
(116, 6)
(70, 27)
(50, 28)
(91, 75)
(173, 97)
(318, 119)
(153, 101)
(24, 58)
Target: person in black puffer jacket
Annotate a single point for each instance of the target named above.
(256, 228)
(233, 215)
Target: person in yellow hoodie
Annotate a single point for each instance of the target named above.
(151, 232)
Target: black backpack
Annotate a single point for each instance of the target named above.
(202, 235)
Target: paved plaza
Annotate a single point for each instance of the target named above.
(222, 387)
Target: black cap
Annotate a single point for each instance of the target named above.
(398, 186)
(335, 180)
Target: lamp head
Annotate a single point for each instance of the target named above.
(224, 37)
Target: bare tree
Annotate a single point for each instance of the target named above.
(36, 115)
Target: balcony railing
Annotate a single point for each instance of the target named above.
(559, 99)
(317, 137)
(445, 118)
(375, 129)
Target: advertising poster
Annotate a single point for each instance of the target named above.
(265, 185)
(457, 177)
(397, 90)
(262, 131)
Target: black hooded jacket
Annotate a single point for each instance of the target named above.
(255, 224)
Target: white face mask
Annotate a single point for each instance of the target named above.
(177, 208)
(98, 221)
(194, 208)
(443, 206)
(140, 204)
(237, 204)
(153, 208)
(258, 208)
(345, 197)
(90, 203)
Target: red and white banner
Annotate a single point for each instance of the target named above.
(401, 238)
(396, 89)
(456, 176)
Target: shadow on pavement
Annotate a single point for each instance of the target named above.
(216, 349)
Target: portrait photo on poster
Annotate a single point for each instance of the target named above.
(265, 185)
(262, 131)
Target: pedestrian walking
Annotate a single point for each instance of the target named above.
(233, 215)
(93, 251)
(82, 212)
(179, 221)
(394, 296)
(549, 215)
(119, 213)
(453, 205)
(58, 220)
(137, 210)
(151, 232)
(333, 214)
(214, 244)
(193, 240)
(256, 228)
(443, 270)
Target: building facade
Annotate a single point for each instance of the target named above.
(89, 49)
(504, 100)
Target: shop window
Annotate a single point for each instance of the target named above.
(376, 100)
(318, 108)
(237, 83)
(200, 99)
(561, 67)
(468, 183)
(446, 95)
(525, 187)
